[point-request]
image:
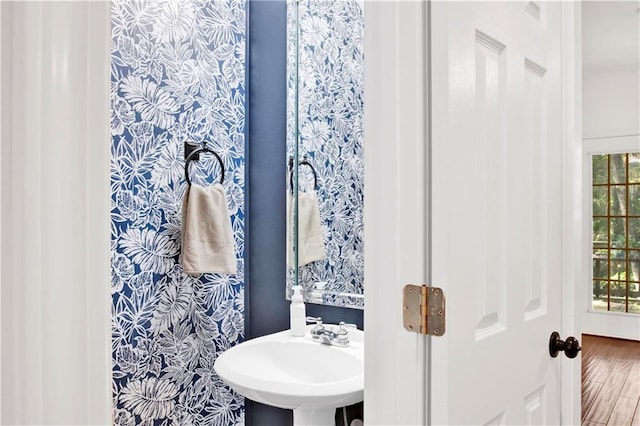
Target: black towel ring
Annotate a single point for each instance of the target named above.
(304, 162)
(194, 155)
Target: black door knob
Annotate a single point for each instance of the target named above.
(571, 346)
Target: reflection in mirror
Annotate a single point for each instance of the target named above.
(325, 118)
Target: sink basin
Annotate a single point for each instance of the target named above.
(297, 373)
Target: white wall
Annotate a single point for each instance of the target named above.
(611, 101)
(54, 276)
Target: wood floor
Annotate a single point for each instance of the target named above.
(610, 381)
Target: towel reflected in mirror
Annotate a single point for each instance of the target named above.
(310, 237)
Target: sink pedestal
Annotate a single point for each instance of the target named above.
(314, 417)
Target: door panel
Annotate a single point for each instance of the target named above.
(496, 210)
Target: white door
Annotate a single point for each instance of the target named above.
(496, 210)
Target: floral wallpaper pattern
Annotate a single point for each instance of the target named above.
(177, 74)
(330, 54)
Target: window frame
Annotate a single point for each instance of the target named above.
(591, 147)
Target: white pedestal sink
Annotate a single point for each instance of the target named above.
(308, 377)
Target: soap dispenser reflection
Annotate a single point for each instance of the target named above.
(298, 315)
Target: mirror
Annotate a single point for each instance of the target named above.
(325, 138)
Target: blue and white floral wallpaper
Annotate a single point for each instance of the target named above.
(177, 74)
(330, 54)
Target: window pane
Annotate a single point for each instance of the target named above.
(634, 232)
(600, 232)
(600, 174)
(618, 200)
(618, 168)
(617, 264)
(618, 293)
(617, 232)
(634, 265)
(600, 200)
(634, 200)
(634, 167)
(600, 264)
(634, 298)
(599, 302)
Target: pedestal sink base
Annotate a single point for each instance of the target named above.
(297, 372)
(317, 417)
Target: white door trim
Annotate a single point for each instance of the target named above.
(3, 132)
(56, 352)
(395, 175)
(572, 271)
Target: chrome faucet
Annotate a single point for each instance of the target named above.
(321, 334)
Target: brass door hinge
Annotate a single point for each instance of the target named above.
(423, 309)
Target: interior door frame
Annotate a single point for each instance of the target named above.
(395, 207)
(397, 124)
(40, 341)
(572, 259)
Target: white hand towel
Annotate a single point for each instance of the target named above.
(310, 239)
(207, 239)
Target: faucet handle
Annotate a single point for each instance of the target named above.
(344, 325)
(314, 320)
(342, 335)
(318, 328)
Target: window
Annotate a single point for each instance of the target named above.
(616, 232)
